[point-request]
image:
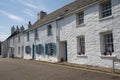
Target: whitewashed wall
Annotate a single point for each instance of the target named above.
(28, 43)
(93, 26)
(15, 44)
(69, 31)
(42, 39)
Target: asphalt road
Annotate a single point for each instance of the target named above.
(15, 69)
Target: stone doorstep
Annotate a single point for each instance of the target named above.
(82, 66)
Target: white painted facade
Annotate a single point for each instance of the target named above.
(92, 29)
(65, 33)
(43, 39)
(16, 46)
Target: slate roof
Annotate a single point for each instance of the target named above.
(15, 33)
(66, 10)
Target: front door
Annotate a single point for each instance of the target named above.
(33, 52)
(63, 51)
(22, 51)
(66, 51)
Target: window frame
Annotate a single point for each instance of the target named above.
(13, 40)
(81, 45)
(36, 35)
(18, 50)
(80, 18)
(107, 36)
(105, 7)
(49, 30)
(19, 39)
(28, 36)
(50, 49)
(39, 49)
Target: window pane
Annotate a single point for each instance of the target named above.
(106, 9)
(36, 33)
(81, 17)
(82, 44)
(49, 30)
(108, 42)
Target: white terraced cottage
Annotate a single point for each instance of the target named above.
(82, 32)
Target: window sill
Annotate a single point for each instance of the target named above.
(81, 55)
(80, 25)
(108, 56)
(105, 18)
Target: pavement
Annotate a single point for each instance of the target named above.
(18, 69)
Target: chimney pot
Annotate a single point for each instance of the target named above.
(29, 24)
(41, 15)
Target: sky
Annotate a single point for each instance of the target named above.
(20, 12)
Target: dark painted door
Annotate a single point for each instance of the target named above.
(66, 50)
(33, 52)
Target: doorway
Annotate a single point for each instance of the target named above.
(33, 52)
(22, 51)
(63, 51)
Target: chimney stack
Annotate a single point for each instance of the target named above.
(41, 15)
(22, 28)
(12, 29)
(29, 24)
(17, 29)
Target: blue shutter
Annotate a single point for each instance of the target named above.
(38, 49)
(54, 48)
(46, 49)
(42, 49)
(28, 49)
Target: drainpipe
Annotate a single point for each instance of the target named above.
(57, 39)
(35, 44)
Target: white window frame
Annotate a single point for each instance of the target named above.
(19, 39)
(106, 9)
(18, 50)
(80, 18)
(28, 36)
(107, 36)
(50, 49)
(36, 34)
(81, 45)
(49, 30)
(13, 40)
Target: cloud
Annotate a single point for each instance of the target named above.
(28, 12)
(3, 36)
(36, 5)
(27, 3)
(30, 5)
(12, 16)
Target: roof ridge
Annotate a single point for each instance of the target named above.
(73, 6)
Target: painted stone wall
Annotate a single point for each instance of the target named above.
(92, 28)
